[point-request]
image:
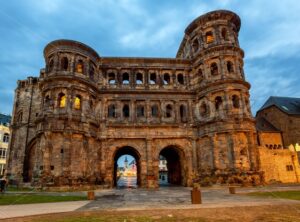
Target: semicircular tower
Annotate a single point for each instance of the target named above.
(226, 128)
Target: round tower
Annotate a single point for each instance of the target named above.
(226, 128)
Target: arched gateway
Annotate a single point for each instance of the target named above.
(86, 110)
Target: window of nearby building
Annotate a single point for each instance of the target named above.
(166, 79)
(140, 111)
(62, 100)
(2, 169)
(111, 78)
(180, 79)
(126, 112)
(139, 78)
(209, 37)
(125, 78)
(111, 111)
(153, 78)
(289, 167)
(214, 69)
(2, 153)
(79, 66)
(5, 137)
(64, 64)
(154, 111)
(77, 102)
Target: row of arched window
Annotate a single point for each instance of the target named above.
(274, 146)
(155, 111)
(124, 79)
(80, 67)
(209, 38)
(218, 102)
(62, 101)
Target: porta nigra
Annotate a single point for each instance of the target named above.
(72, 123)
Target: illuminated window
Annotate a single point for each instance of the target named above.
(235, 101)
(79, 66)
(77, 102)
(214, 69)
(64, 64)
(166, 79)
(180, 79)
(209, 37)
(62, 100)
(218, 102)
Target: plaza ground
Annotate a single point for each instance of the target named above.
(164, 204)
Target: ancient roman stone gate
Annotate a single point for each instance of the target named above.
(84, 111)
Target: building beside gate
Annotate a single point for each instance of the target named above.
(4, 139)
(72, 123)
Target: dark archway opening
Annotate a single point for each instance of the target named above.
(127, 174)
(170, 167)
(28, 164)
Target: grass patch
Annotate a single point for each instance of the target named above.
(18, 189)
(292, 195)
(12, 199)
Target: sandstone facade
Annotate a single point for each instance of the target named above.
(72, 123)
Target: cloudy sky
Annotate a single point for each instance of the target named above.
(270, 36)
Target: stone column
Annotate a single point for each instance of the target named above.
(194, 152)
(251, 151)
(214, 151)
(151, 178)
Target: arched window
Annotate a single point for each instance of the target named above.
(77, 102)
(209, 37)
(218, 102)
(214, 69)
(139, 78)
(182, 110)
(126, 112)
(224, 34)
(111, 78)
(140, 111)
(180, 79)
(51, 65)
(125, 78)
(5, 138)
(195, 45)
(203, 109)
(166, 79)
(200, 73)
(92, 72)
(64, 64)
(79, 66)
(168, 111)
(154, 111)
(230, 67)
(111, 111)
(153, 78)
(61, 100)
(235, 101)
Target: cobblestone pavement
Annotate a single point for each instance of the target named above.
(142, 199)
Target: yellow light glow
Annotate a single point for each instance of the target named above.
(209, 38)
(77, 103)
(62, 101)
(79, 68)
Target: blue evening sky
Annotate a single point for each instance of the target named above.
(270, 36)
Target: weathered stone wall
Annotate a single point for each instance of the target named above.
(279, 165)
(271, 140)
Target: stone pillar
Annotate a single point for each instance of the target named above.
(214, 151)
(151, 178)
(251, 151)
